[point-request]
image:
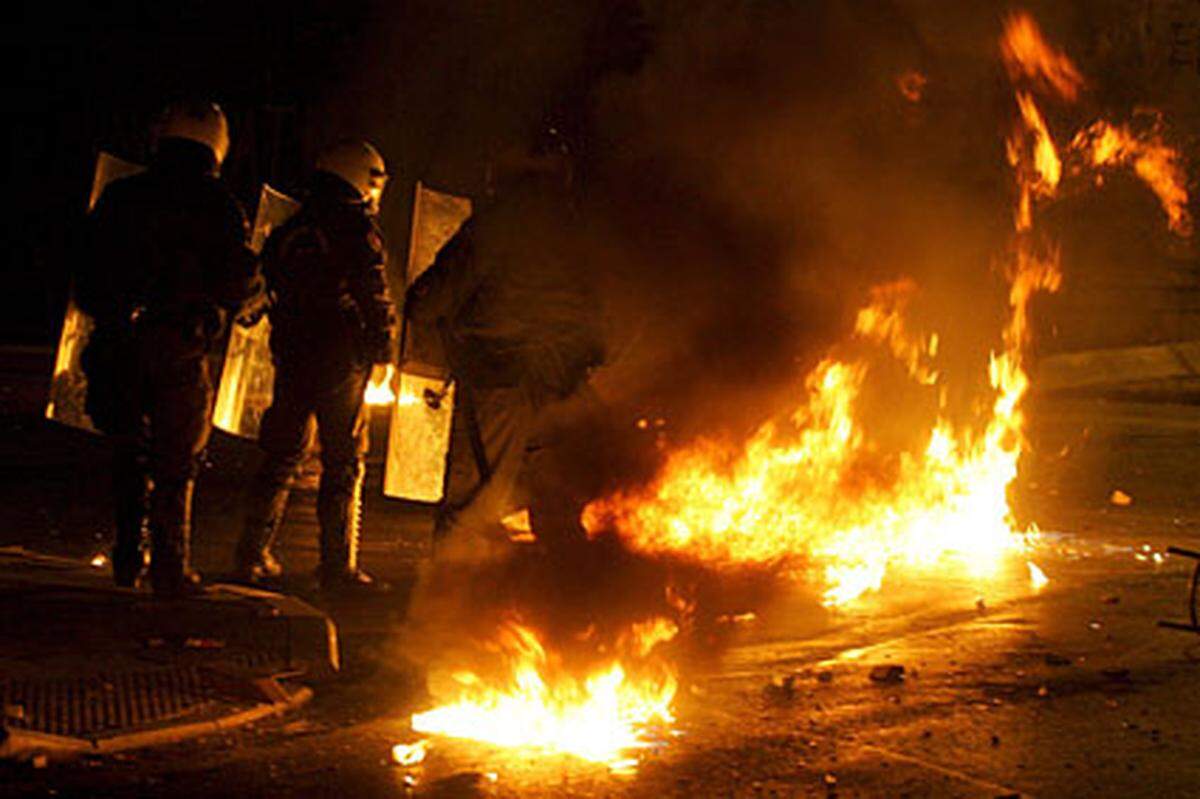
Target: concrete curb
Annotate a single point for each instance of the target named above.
(1097, 368)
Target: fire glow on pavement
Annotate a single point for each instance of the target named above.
(812, 492)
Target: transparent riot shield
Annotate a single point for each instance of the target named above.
(68, 385)
(419, 433)
(248, 375)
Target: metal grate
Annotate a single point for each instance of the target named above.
(110, 703)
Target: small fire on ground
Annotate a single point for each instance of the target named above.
(532, 700)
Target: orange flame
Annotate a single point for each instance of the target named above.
(1034, 159)
(912, 85)
(815, 494)
(811, 492)
(537, 703)
(1027, 54)
(883, 321)
(379, 391)
(1157, 164)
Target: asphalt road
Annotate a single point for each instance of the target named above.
(1067, 691)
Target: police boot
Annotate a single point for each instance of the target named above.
(340, 515)
(129, 550)
(253, 561)
(171, 573)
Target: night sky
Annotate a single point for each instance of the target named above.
(92, 77)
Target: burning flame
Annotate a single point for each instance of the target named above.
(379, 388)
(537, 703)
(1104, 144)
(410, 754)
(1028, 55)
(1032, 154)
(813, 493)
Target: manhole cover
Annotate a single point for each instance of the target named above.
(105, 704)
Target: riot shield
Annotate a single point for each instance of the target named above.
(68, 385)
(419, 433)
(248, 375)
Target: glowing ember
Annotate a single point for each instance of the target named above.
(519, 527)
(410, 754)
(1120, 498)
(912, 85)
(99, 560)
(537, 703)
(379, 392)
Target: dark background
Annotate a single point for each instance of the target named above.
(750, 166)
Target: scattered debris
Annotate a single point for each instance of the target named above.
(1095, 625)
(203, 643)
(782, 691)
(465, 784)
(1120, 499)
(825, 676)
(1043, 691)
(410, 754)
(887, 674)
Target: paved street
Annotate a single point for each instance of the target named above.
(1067, 691)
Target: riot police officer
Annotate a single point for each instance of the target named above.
(167, 267)
(511, 306)
(332, 320)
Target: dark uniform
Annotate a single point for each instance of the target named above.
(518, 326)
(168, 266)
(332, 318)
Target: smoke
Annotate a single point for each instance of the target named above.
(745, 186)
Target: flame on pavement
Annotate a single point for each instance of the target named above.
(534, 701)
(813, 492)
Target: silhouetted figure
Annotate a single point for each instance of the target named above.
(332, 320)
(168, 266)
(518, 326)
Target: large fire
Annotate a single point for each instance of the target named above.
(814, 493)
